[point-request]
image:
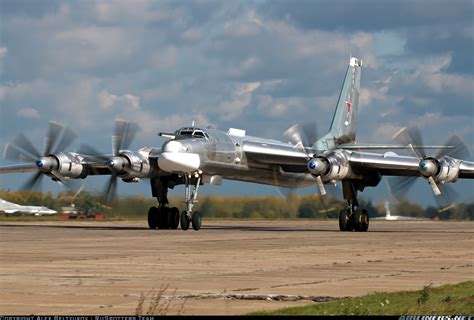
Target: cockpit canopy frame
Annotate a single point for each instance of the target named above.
(191, 132)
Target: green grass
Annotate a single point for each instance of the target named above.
(455, 299)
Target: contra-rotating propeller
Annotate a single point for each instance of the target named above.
(58, 138)
(302, 137)
(429, 166)
(124, 133)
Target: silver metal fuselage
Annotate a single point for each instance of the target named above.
(223, 154)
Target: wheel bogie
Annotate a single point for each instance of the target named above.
(357, 221)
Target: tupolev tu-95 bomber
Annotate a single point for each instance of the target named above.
(193, 156)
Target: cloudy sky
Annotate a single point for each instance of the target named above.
(257, 65)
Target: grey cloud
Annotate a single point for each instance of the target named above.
(368, 15)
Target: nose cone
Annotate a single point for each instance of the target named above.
(316, 166)
(175, 158)
(428, 167)
(117, 163)
(44, 163)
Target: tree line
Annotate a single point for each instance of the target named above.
(292, 206)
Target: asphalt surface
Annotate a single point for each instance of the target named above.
(228, 267)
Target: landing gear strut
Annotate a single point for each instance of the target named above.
(190, 198)
(353, 217)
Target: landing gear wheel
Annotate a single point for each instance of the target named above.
(173, 218)
(196, 220)
(153, 217)
(184, 221)
(361, 220)
(344, 222)
(163, 218)
(364, 221)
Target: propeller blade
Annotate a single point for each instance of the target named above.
(66, 140)
(411, 137)
(13, 153)
(310, 133)
(447, 197)
(52, 135)
(111, 189)
(91, 152)
(124, 134)
(434, 186)
(322, 189)
(302, 136)
(23, 143)
(459, 150)
(399, 186)
(33, 183)
(71, 185)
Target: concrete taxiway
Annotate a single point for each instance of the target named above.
(228, 267)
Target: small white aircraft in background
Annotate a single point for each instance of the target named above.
(9, 208)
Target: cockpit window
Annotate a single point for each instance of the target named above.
(191, 132)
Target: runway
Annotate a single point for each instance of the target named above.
(228, 267)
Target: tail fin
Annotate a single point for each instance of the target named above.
(343, 125)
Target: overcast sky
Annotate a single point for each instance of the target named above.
(257, 65)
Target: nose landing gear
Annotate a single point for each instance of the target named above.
(190, 198)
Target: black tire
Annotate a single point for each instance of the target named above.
(365, 221)
(196, 220)
(343, 220)
(184, 221)
(163, 218)
(357, 220)
(361, 220)
(153, 217)
(174, 218)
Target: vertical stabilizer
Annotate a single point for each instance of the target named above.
(343, 125)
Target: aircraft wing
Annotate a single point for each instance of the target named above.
(276, 154)
(291, 159)
(393, 165)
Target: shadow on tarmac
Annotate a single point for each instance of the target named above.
(227, 228)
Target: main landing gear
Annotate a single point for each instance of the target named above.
(163, 217)
(353, 218)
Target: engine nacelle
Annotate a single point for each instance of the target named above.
(334, 166)
(67, 165)
(448, 170)
(135, 164)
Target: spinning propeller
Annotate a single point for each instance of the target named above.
(57, 139)
(302, 137)
(124, 133)
(429, 166)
